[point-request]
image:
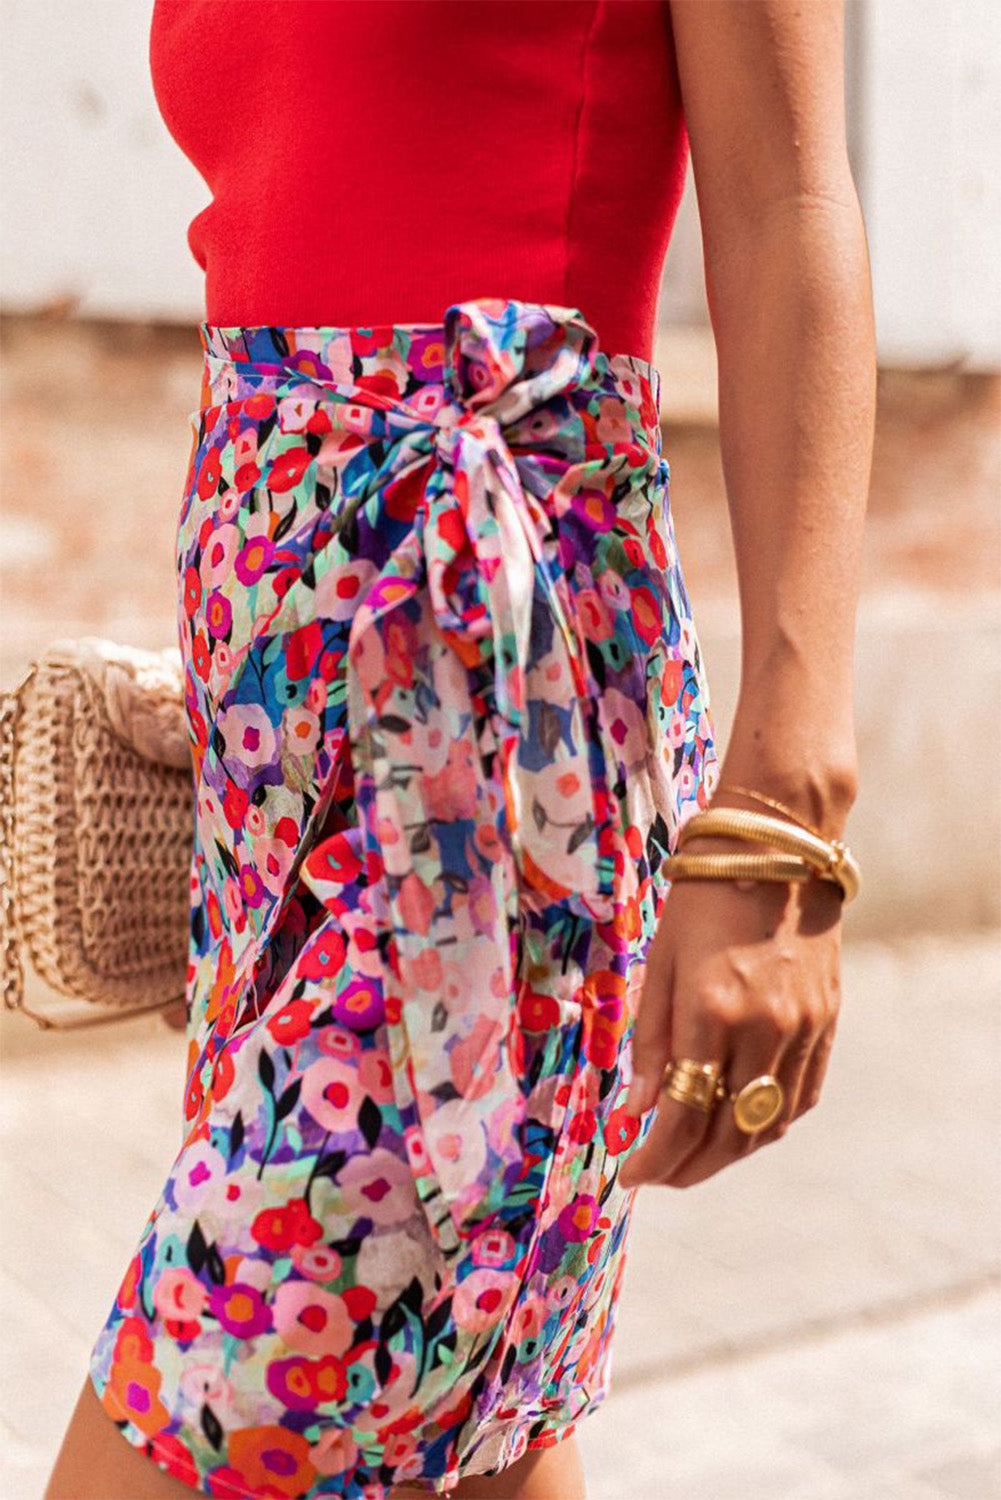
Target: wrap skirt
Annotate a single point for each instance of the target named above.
(447, 714)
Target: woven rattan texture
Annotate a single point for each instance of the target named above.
(103, 829)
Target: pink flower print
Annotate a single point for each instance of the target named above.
(493, 1249)
(232, 900)
(614, 590)
(378, 1187)
(197, 1173)
(178, 1295)
(595, 621)
(529, 1319)
(240, 1309)
(337, 1041)
(201, 1384)
(335, 1451)
(312, 1321)
(316, 1262)
(316, 696)
(273, 859)
(300, 730)
(218, 614)
(248, 734)
(450, 794)
(473, 1061)
(376, 1076)
(416, 903)
(613, 425)
(482, 1298)
(457, 1144)
(217, 561)
(331, 1093)
(294, 412)
(626, 726)
(482, 905)
(252, 560)
(562, 1293)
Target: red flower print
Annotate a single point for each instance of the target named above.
(335, 859)
(234, 805)
(360, 1302)
(583, 1126)
(291, 1023)
(209, 475)
(288, 468)
(302, 648)
(621, 1129)
(200, 658)
(657, 549)
(647, 614)
(537, 1012)
(246, 477)
(290, 1224)
(323, 957)
(192, 591)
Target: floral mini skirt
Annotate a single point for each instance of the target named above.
(447, 714)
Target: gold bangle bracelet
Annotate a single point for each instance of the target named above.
(736, 866)
(773, 802)
(831, 859)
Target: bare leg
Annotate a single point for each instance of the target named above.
(96, 1463)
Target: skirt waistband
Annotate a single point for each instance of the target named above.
(482, 350)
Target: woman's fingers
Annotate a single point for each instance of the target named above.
(678, 1129)
(755, 1052)
(815, 1071)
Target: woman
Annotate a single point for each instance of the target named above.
(448, 716)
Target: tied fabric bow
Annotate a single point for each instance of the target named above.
(479, 776)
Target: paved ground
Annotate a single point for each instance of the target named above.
(818, 1323)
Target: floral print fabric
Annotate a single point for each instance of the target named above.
(448, 714)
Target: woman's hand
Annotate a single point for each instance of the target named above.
(746, 974)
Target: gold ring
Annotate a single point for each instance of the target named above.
(758, 1104)
(694, 1083)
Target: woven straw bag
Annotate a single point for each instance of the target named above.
(96, 831)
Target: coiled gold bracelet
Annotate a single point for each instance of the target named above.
(800, 853)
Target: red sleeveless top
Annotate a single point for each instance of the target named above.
(371, 161)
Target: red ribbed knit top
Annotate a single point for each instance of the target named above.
(371, 161)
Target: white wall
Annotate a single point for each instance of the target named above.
(929, 90)
(95, 198)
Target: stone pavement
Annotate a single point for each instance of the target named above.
(819, 1322)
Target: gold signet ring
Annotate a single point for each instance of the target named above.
(758, 1104)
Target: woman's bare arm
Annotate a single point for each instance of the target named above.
(789, 293)
(750, 975)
